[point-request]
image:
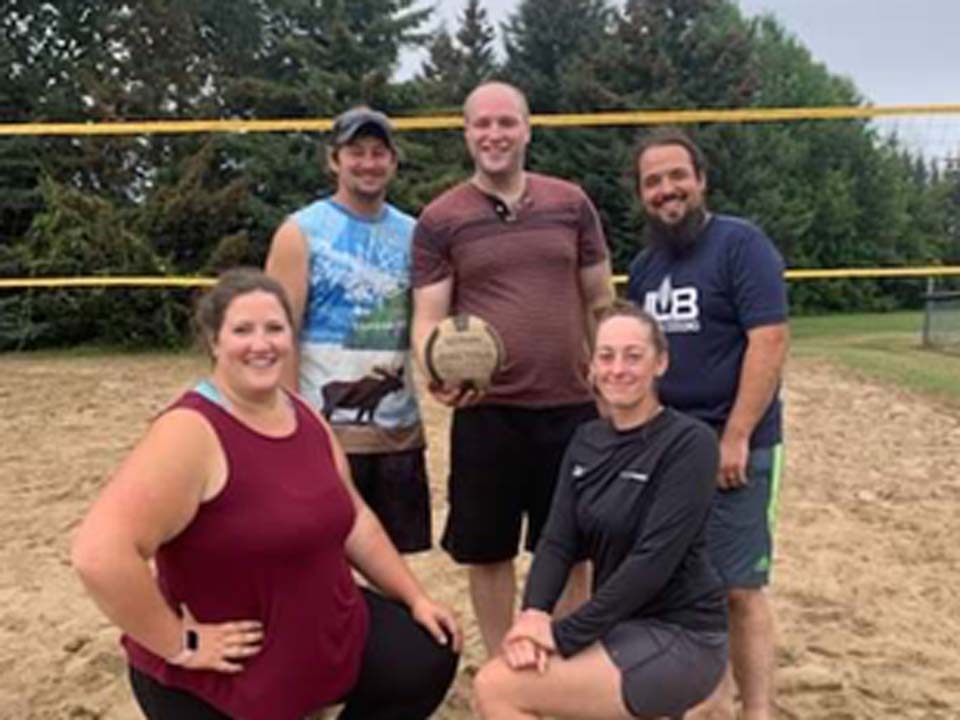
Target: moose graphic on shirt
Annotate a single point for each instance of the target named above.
(363, 395)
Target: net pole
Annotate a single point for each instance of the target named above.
(928, 310)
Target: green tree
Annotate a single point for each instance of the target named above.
(548, 42)
(457, 64)
(441, 75)
(80, 234)
(476, 37)
(193, 203)
(680, 54)
(319, 56)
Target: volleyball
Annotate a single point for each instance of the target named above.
(465, 351)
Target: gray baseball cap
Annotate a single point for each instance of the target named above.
(361, 121)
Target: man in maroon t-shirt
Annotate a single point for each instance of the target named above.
(526, 253)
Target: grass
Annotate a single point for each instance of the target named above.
(884, 347)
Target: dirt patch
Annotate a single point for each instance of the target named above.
(866, 581)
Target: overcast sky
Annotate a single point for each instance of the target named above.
(897, 52)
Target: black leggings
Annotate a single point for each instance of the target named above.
(404, 675)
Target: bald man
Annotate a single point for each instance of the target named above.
(525, 252)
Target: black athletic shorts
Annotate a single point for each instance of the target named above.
(504, 462)
(665, 669)
(395, 487)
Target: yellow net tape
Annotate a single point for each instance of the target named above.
(446, 122)
(644, 117)
(96, 281)
(174, 282)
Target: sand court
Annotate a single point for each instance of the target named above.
(867, 579)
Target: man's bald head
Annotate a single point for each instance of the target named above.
(496, 89)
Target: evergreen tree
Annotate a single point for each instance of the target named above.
(459, 63)
(829, 193)
(442, 72)
(550, 41)
(475, 37)
(79, 234)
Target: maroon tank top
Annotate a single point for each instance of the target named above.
(270, 547)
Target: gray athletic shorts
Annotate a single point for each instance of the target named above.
(665, 669)
(743, 521)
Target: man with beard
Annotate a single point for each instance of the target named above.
(344, 261)
(525, 252)
(715, 283)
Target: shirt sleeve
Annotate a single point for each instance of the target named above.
(591, 241)
(759, 289)
(431, 255)
(557, 550)
(685, 485)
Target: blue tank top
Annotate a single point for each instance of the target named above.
(355, 340)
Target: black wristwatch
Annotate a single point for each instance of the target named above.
(191, 643)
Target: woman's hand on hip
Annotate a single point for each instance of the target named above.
(222, 647)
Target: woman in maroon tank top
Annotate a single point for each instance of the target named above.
(240, 495)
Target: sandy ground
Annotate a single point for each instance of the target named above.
(867, 582)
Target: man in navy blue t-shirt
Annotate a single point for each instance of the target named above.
(716, 285)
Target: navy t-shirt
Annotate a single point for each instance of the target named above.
(706, 300)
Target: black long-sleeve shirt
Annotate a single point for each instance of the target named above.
(636, 503)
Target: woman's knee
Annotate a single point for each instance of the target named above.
(442, 668)
(490, 687)
(424, 678)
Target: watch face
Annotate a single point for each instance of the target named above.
(192, 640)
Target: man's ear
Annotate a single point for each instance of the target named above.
(333, 164)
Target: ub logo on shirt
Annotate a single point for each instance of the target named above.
(676, 309)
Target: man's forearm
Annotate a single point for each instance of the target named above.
(760, 376)
(431, 304)
(419, 333)
(597, 288)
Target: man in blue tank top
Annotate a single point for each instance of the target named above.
(345, 263)
(715, 283)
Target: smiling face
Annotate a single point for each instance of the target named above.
(252, 343)
(497, 131)
(669, 185)
(626, 363)
(364, 168)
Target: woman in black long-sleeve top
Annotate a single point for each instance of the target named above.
(633, 496)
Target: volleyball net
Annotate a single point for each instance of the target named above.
(106, 228)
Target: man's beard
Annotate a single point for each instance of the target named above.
(677, 238)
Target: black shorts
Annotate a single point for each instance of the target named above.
(395, 487)
(665, 669)
(504, 462)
